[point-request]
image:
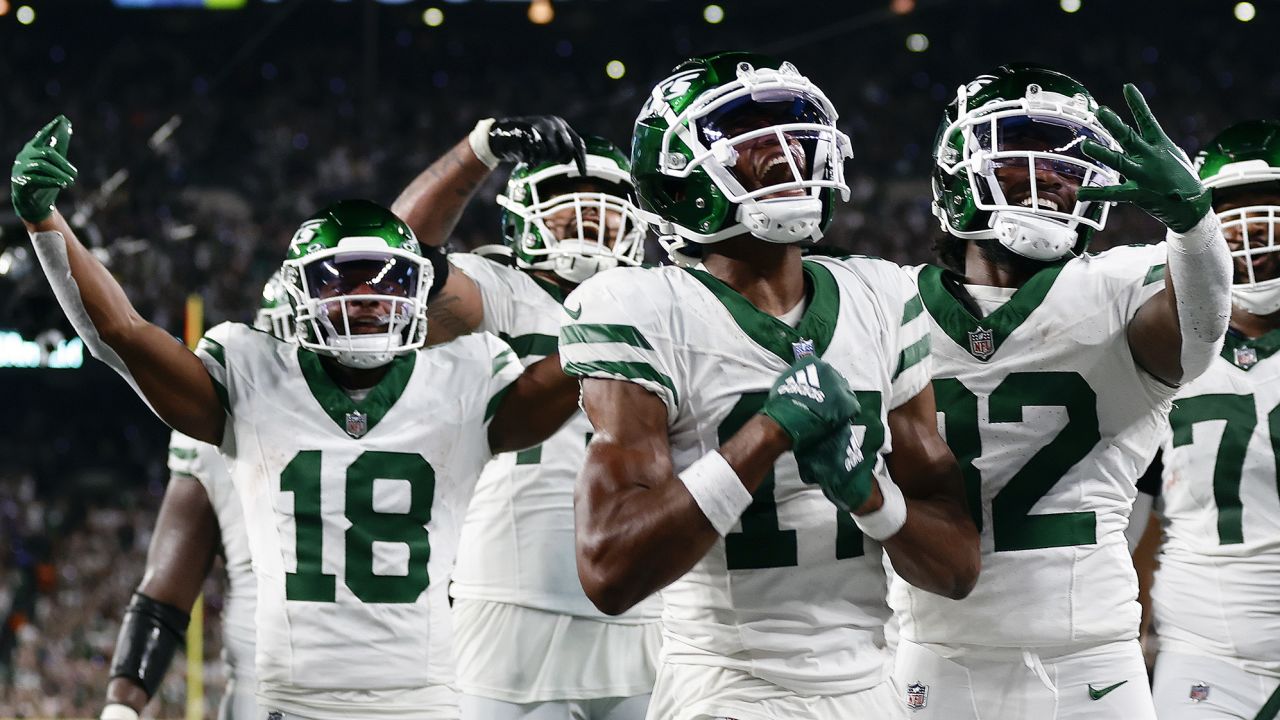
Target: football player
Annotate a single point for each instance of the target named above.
(199, 517)
(727, 399)
(529, 642)
(1217, 589)
(353, 449)
(1053, 370)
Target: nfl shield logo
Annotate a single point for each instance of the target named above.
(357, 424)
(982, 343)
(1246, 357)
(804, 348)
(1199, 691)
(917, 695)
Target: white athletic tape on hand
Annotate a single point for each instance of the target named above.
(116, 711)
(889, 519)
(479, 141)
(717, 490)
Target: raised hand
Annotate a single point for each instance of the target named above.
(41, 170)
(537, 139)
(1158, 177)
(809, 401)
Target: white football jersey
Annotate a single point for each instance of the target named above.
(794, 594)
(517, 542)
(1217, 588)
(202, 462)
(353, 511)
(1052, 422)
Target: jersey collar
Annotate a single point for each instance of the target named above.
(356, 418)
(1245, 353)
(969, 332)
(817, 325)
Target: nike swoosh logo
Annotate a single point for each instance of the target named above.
(575, 314)
(1097, 694)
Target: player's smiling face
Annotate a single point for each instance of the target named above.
(566, 223)
(356, 278)
(1056, 187)
(762, 161)
(1266, 265)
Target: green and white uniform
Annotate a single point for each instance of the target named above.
(792, 600)
(353, 510)
(526, 631)
(201, 462)
(1217, 590)
(1052, 422)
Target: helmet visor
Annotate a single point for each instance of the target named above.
(343, 275)
(783, 144)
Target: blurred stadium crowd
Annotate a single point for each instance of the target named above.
(285, 109)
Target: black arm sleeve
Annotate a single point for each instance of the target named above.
(149, 635)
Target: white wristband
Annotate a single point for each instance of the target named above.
(717, 489)
(116, 711)
(479, 142)
(889, 519)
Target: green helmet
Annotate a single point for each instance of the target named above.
(692, 131)
(1023, 118)
(359, 284)
(275, 315)
(1245, 158)
(550, 224)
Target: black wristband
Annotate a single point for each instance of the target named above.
(150, 634)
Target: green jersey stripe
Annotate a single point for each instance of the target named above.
(603, 333)
(531, 344)
(223, 396)
(183, 453)
(1271, 709)
(626, 370)
(1155, 274)
(912, 309)
(501, 360)
(214, 349)
(912, 354)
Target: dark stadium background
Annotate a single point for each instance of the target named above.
(285, 106)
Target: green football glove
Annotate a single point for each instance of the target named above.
(41, 170)
(1158, 177)
(835, 464)
(810, 400)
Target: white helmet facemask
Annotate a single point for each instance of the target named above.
(1258, 225)
(361, 307)
(1036, 134)
(599, 230)
(797, 150)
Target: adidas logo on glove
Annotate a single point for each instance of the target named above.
(852, 454)
(804, 382)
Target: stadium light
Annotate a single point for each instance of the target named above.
(4, 7)
(713, 14)
(433, 17)
(917, 42)
(541, 12)
(1245, 11)
(902, 7)
(615, 69)
(1069, 6)
(26, 15)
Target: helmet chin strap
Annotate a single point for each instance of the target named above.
(1258, 299)
(784, 220)
(579, 263)
(1033, 237)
